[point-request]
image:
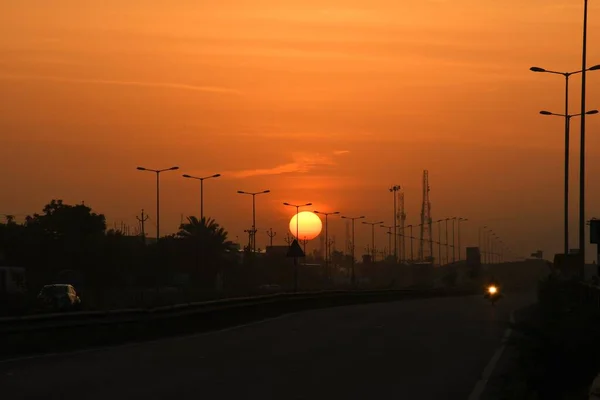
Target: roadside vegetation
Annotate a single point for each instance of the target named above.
(557, 343)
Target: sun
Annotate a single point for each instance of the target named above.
(309, 225)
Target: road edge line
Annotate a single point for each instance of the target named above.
(491, 365)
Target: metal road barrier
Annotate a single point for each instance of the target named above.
(308, 300)
(69, 331)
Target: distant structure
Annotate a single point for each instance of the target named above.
(142, 222)
(426, 242)
(322, 246)
(348, 244)
(401, 222)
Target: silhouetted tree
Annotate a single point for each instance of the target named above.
(208, 243)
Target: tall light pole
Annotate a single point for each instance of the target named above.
(389, 232)
(394, 189)
(567, 139)
(353, 245)
(201, 179)
(582, 146)
(453, 241)
(373, 236)
(326, 235)
(482, 242)
(447, 250)
(489, 246)
(567, 118)
(460, 219)
(411, 242)
(439, 222)
(253, 194)
(297, 213)
(157, 172)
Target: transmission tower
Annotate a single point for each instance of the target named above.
(425, 250)
(401, 216)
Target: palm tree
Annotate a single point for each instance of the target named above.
(208, 239)
(208, 233)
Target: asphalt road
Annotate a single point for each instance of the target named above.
(414, 349)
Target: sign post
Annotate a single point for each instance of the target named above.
(595, 238)
(295, 251)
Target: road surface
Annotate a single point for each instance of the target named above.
(414, 349)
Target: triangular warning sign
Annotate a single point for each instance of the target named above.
(295, 250)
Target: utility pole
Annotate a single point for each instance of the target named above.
(453, 241)
(271, 236)
(250, 233)
(439, 222)
(394, 189)
(447, 252)
(288, 239)
(304, 242)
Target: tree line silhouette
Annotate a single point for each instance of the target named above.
(68, 243)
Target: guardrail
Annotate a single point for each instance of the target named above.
(55, 332)
(33, 322)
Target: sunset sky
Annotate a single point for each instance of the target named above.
(329, 102)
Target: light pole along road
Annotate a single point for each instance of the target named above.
(373, 254)
(390, 233)
(439, 222)
(353, 279)
(567, 118)
(201, 189)
(411, 242)
(298, 206)
(394, 189)
(326, 236)
(254, 194)
(460, 219)
(157, 172)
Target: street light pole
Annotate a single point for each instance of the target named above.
(447, 250)
(482, 243)
(157, 171)
(353, 279)
(326, 236)
(459, 247)
(567, 133)
(297, 214)
(201, 179)
(489, 246)
(567, 118)
(411, 242)
(582, 146)
(453, 241)
(253, 194)
(393, 190)
(389, 232)
(373, 253)
(439, 222)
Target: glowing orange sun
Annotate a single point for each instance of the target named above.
(309, 225)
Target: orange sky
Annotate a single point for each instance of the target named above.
(330, 102)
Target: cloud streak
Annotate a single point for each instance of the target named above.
(167, 85)
(302, 163)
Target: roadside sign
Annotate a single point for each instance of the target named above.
(295, 250)
(595, 231)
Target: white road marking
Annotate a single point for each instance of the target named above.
(489, 368)
(125, 345)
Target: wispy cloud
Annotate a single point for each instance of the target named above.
(302, 163)
(169, 85)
